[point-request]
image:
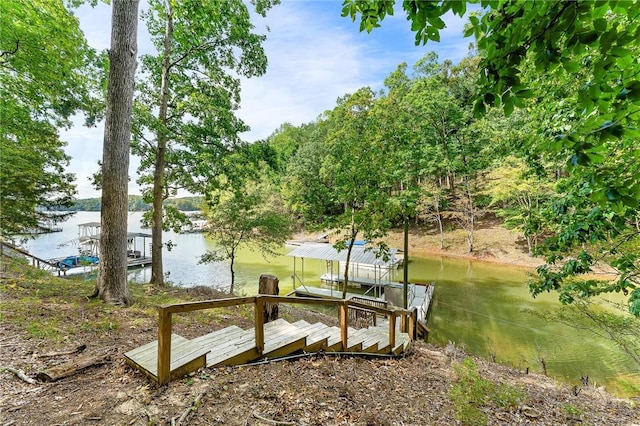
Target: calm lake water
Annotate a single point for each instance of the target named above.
(482, 307)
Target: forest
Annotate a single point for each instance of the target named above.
(537, 128)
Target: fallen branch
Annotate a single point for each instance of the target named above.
(193, 407)
(72, 367)
(20, 375)
(68, 352)
(274, 422)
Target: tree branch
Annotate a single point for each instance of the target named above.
(8, 53)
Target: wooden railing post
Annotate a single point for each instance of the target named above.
(344, 336)
(392, 329)
(259, 324)
(413, 318)
(164, 346)
(403, 323)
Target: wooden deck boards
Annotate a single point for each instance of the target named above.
(183, 353)
(233, 345)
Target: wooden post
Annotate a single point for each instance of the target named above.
(259, 324)
(412, 331)
(392, 330)
(164, 346)
(268, 284)
(403, 323)
(344, 336)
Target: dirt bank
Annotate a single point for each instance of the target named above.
(493, 244)
(428, 387)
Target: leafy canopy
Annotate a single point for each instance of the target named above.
(590, 50)
(47, 72)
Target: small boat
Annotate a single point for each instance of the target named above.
(76, 261)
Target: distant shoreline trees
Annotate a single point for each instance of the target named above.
(136, 204)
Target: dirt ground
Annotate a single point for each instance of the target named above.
(313, 390)
(321, 390)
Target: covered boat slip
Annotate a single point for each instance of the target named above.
(362, 258)
(89, 237)
(378, 287)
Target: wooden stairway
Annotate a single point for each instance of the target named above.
(234, 346)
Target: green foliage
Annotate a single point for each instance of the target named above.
(136, 204)
(586, 234)
(522, 198)
(243, 207)
(471, 392)
(184, 113)
(575, 67)
(47, 72)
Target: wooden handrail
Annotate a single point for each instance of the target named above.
(165, 313)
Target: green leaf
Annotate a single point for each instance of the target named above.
(507, 100)
(600, 25)
(571, 66)
(620, 51)
(588, 37)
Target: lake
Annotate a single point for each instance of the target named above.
(484, 308)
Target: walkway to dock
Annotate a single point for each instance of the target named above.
(8, 249)
(172, 356)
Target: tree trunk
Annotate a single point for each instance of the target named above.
(405, 265)
(439, 220)
(346, 269)
(352, 240)
(268, 284)
(112, 277)
(471, 216)
(157, 273)
(232, 259)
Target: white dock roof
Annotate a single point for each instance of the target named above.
(359, 254)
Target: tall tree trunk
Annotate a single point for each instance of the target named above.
(352, 240)
(232, 260)
(439, 220)
(471, 217)
(157, 273)
(112, 277)
(405, 265)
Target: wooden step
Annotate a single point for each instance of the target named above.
(317, 336)
(286, 340)
(355, 340)
(334, 343)
(217, 337)
(370, 344)
(403, 343)
(383, 335)
(186, 357)
(281, 338)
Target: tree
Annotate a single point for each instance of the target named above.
(47, 73)
(112, 276)
(522, 197)
(599, 41)
(243, 208)
(184, 113)
(349, 182)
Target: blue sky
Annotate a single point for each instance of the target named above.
(315, 56)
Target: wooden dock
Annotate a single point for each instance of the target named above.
(172, 356)
(419, 298)
(326, 293)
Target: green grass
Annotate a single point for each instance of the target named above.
(49, 308)
(471, 392)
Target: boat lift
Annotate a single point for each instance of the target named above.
(362, 258)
